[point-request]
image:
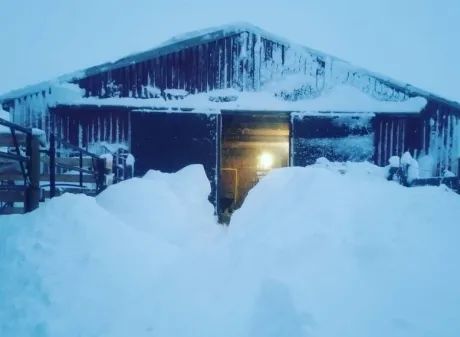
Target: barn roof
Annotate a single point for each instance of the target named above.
(207, 35)
(174, 44)
(194, 38)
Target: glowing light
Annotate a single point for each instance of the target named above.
(265, 161)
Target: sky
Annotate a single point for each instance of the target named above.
(414, 41)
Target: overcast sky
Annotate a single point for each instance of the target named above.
(415, 41)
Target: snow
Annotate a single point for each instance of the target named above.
(448, 174)
(340, 71)
(63, 80)
(342, 98)
(328, 250)
(104, 147)
(176, 92)
(406, 158)
(345, 98)
(208, 34)
(108, 160)
(130, 160)
(427, 166)
(394, 161)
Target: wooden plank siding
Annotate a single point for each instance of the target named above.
(434, 134)
(395, 135)
(243, 61)
(84, 126)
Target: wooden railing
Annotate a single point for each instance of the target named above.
(401, 174)
(29, 174)
(65, 157)
(27, 193)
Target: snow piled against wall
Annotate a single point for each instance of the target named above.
(327, 250)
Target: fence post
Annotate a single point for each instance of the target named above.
(115, 168)
(100, 176)
(81, 166)
(32, 197)
(52, 169)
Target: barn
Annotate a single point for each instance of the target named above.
(241, 101)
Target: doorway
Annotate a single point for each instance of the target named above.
(252, 145)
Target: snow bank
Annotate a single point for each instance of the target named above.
(175, 207)
(352, 254)
(328, 250)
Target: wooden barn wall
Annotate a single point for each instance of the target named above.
(433, 138)
(170, 141)
(343, 138)
(31, 110)
(441, 138)
(85, 126)
(395, 135)
(244, 61)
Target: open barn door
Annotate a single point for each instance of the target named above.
(251, 146)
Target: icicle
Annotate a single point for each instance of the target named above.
(80, 135)
(99, 129)
(106, 138)
(117, 135)
(257, 61)
(111, 130)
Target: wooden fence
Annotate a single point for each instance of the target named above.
(32, 170)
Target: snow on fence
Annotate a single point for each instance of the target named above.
(30, 173)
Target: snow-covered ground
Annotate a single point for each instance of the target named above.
(327, 250)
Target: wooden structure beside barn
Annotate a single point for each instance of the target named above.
(241, 101)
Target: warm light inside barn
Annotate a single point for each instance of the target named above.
(265, 161)
(251, 147)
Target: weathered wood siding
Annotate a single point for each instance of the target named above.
(433, 138)
(243, 61)
(441, 138)
(85, 126)
(395, 135)
(170, 141)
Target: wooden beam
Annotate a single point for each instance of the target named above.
(12, 196)
(254, 145)
(258, 139)
(12, 210)
(72, 161)
(63, 178)
(6, 140)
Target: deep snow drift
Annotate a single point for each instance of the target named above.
(328, 250)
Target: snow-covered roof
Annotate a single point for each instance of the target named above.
(207, 35)
(346, 98)
(339, 99)
(195, 38)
